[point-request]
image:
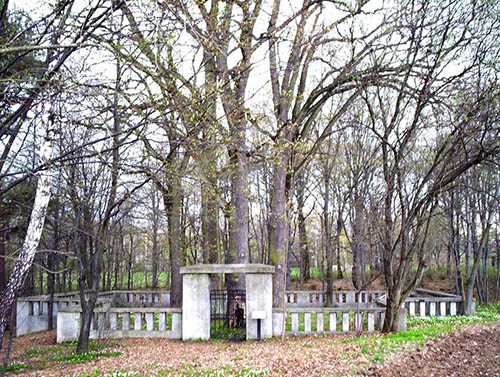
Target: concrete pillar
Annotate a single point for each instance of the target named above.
(23, 313)
(400, 324)
(302, 299)
(350, 297)
(259, 295)
(68, 326)
(196, 306)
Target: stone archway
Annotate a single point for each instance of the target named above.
(196, 298)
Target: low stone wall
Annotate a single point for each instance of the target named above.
(146, 313)
(32, 312)
(122, 323)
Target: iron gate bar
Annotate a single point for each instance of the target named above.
(228, 314)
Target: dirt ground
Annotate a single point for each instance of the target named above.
(472, 351)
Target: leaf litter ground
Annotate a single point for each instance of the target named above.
(474, 350)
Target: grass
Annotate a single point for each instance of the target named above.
(33, 352)
(314, 271)
(15, 367)
(420, 330)
(84, 357)
(191, 371)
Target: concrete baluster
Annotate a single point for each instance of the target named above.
(432, 309)
(422, 308)
(333, 322)
(345, 322)
(162, 322)
(319, 323)
(371, 322)
(412, 308)
(453, 308)
(113, 321)
(137, 321)
(442, 309)
(307, 322)
(295, 322)
(126, 321)
(149, 322)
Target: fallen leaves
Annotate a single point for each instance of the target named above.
(473, 351)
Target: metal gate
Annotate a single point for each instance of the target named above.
(228, 314)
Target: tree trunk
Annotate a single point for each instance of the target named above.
(340, 274)
(238, 227)
(173, 205)
(303, 243)
(33, 235)
(357, 247)
(279, 231)
(3, 272)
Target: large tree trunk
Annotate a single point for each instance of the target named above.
(51, 265)
(155, 249)
(3, 272)
(102, 235)
(358, 248)
(303, 243)
(337, 243)
(209, 197)
(173, 205)
(279, 231)
(238, 226)
(33, 235)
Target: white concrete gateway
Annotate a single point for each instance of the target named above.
(196, 298)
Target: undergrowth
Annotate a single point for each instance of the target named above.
(189, 371)
(378, 347)
(84, 357)
(14, 367)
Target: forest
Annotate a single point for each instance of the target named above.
(354, 140)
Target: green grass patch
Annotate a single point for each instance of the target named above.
(314, 272)
(420, 330)
(190, 371)
(84, 357)
(15, 367)
(33, 352)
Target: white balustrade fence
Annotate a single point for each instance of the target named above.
(318, 299)
(307, 321)
(122, 323)
(147, 313)
(426, 303)
(32, 312)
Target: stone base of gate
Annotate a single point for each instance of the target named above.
(196, 298)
